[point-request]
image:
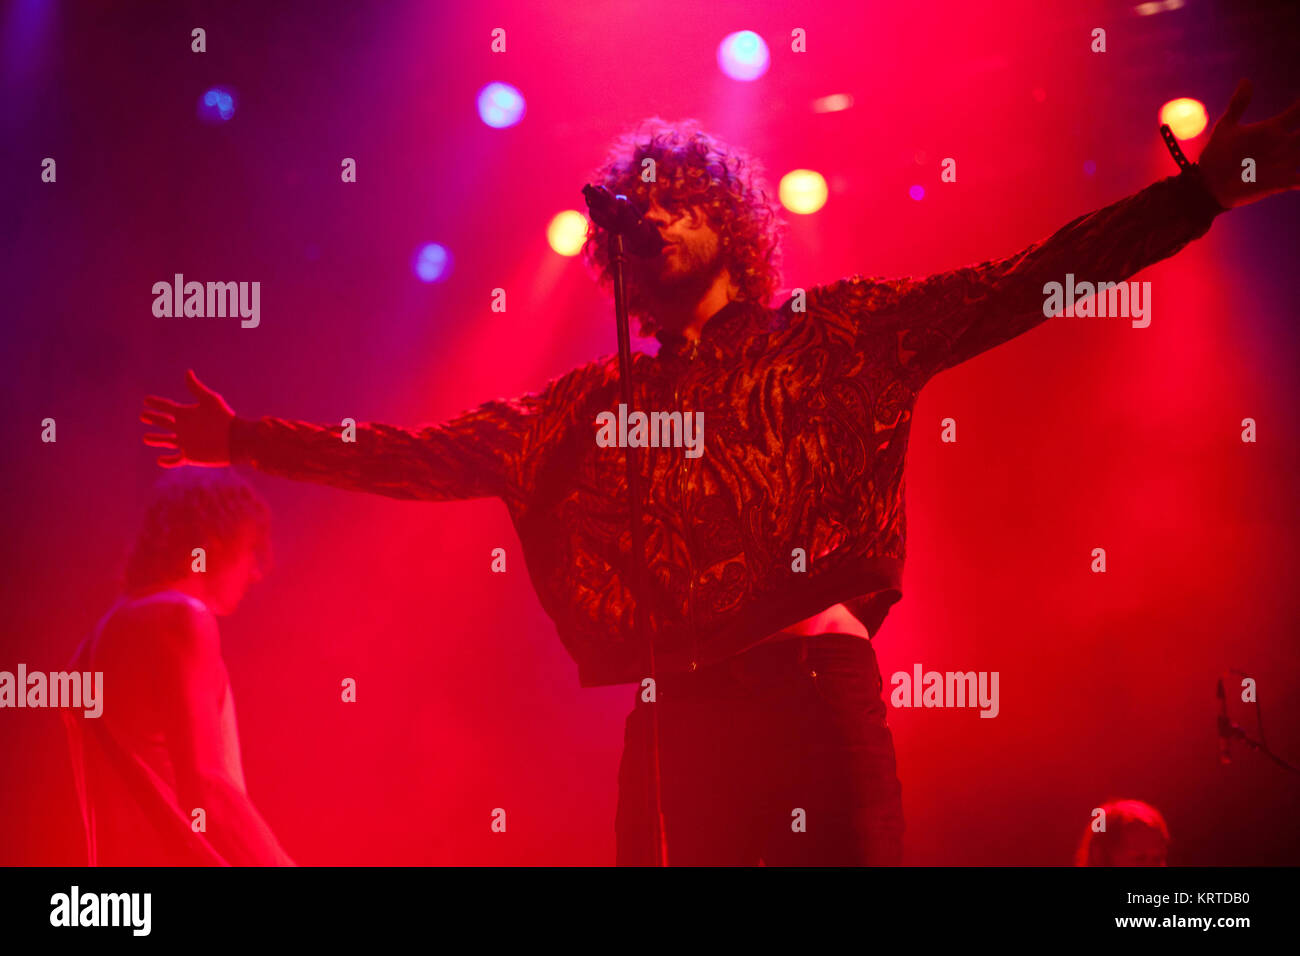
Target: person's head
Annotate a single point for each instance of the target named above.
(710, 204)
(209, 508)
(1135, 835)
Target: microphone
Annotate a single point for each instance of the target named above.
(1225, 726)
(617, 214)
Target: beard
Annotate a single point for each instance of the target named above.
(679, 275)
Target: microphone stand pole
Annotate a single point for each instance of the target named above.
(616, 225)
(1231, 730)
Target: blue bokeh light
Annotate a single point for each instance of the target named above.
(432, 262)
(217, 105)
(500, 105)
(743, 56)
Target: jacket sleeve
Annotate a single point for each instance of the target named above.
(936, 322)
(481, 453)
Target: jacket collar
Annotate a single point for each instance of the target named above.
(720, 335)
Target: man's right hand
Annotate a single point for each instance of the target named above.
(196, 434)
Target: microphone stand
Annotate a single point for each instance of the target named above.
(1230, 730)
(618, 219)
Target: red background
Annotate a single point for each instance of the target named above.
(1083, 433)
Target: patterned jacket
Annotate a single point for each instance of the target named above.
(806, 414)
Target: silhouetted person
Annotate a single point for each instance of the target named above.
(167, 743)
(1135, 835)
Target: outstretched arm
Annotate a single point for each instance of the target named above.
(476, 455)
(936, 322)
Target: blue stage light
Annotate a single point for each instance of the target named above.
(217, 105)
(743, 55)
(500, 105)
(432, 262)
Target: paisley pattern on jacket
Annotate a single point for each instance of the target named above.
(807, 413)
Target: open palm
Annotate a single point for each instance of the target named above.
(197, 434)
(1273, 144)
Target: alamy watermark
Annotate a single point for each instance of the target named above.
(947, 689)
(655, 430)
(1128, 300)
(76, 689)
(180, 299)
(75, 908)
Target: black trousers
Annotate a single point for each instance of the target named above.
(780, 755)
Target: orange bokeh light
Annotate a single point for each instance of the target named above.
(1185, 116)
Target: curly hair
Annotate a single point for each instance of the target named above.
(207, 508)
(694, 169)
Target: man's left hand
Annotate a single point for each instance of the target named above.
(1274, 145)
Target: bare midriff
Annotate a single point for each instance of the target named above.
(836, 619)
